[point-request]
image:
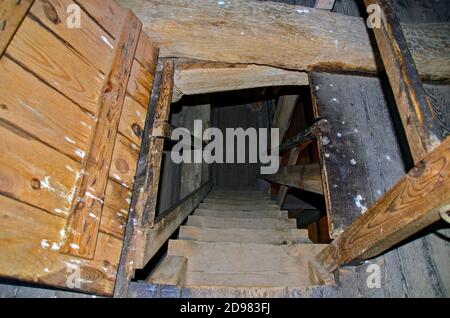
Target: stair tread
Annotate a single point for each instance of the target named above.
(248, 264)
(264, 236)
(245, 207)
(171, 271)
(241, 213)
(243, 223)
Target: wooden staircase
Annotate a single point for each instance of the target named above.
(240, 239)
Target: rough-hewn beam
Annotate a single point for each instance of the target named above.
(324, 4)
(280, 35)
(305, 177)
(200, 77)
(411, 98)
(414, 203)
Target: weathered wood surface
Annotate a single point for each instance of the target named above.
(162, 110)
(413, 204)
(36, 237)
(414, 107)
(360, 138)
(238, 33)
(200, 77)
(12, 13)
(305, 177)
(82, 227)
(324, 4)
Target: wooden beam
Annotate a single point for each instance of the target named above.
(12, 13)
(413, 104)
(280, 35)
(304, 138)
(164, 99)
(199, 77)
(413, 204)
(84, 220)
(324, 4)
(304, 177)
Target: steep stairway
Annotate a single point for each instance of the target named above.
(240, 239)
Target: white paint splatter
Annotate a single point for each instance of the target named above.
(74, 246)
(358, 202)
(90, 195)
(327, 155)
(339, 135)
(335, 100)
(128, 200)
(317, 87)
(104, 39)
(45, 244)
(356, 130)
(117, 177)
(46, 270)
(388, 158)
(325, 140)
(56, 247)
(92, 215)
(70, 140)
(80, 153)
(221, 3)
(69, 168)
(353, 162)
(302, 11)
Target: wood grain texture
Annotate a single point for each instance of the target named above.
(35, 173)
(411, 98)
(42, 112)
(43, 54)
(12, 13)
(140, 84)
(162, 112)
(36, 237)
(132, 120)
(83, 227)
(147, 53)
(413, 204)
(106, 13)
(90, 41)
(238, 33)
(305, 177)
(200, 77)
(123, 163)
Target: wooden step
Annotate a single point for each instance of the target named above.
(246, 264)
(171, 271)
(239, 201)
(264, 236)
(242, 213)
(241, 223)
(243, 207)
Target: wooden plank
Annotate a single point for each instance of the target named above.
(354, 119)
(200, 77)
(40, 52)
(162, 112)
(241, 223)
(83, 228)
(246, 264)
(140, 84)
(179, 28)
(147, 53)
(241, 213)
(30, 240)
(283, 114)
(132, 120)
(106, 13)
(141, 188)
(265, 236)
(414, 203)
(324, 4)
(36, 174)
(124, 161)
(90, 41)
(42, 112)
(240, 206)
(164, 228)
(414, 107)
(170, 272)
(11, 16)
(304, 177)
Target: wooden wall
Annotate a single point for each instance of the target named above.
(73, 107)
